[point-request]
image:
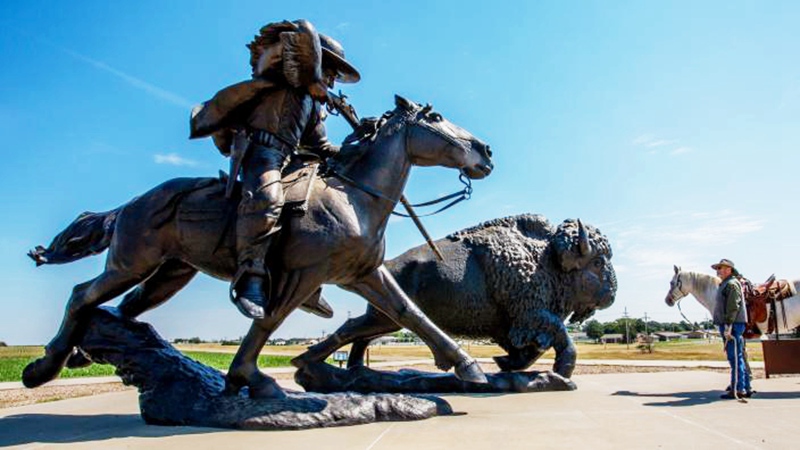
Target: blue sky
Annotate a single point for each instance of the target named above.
(672, 126)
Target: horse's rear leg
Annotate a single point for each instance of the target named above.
(383, 292)
(361, 329)
(84, 297)
(171, 277)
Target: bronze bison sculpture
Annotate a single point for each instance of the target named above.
(513, 280)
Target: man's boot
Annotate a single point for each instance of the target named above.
(250, 286)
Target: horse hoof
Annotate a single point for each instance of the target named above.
(300, 361)
(268, 390)
(40, 372)
(78, 360)
(471, 372)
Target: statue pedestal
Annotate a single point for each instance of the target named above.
(325, 378)
(176, 390)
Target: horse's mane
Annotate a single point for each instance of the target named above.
(361, 140)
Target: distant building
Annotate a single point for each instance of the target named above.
(580, 337)
(612, 338)
(665, 336)
(698, 334)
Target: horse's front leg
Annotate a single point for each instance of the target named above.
(383, 292)
(244, 370)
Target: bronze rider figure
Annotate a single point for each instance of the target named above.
(260, 123)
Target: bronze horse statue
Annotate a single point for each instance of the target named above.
(157, 242)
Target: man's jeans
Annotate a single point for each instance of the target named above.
(740, 380)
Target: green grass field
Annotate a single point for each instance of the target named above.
(14, 359)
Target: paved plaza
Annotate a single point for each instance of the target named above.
(640, 410)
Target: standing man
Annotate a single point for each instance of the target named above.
(730, 315)
(260, 123)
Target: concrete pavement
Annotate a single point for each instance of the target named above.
(641, 410)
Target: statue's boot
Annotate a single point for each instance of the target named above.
(250, 298)
(251, 290)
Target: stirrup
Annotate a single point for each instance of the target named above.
(248, 308)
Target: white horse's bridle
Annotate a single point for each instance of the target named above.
(676, 285)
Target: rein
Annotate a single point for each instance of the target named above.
(679, 286)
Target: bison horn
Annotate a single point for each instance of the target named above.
(583, 239)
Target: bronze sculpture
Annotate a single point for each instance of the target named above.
(260, 124)
(513, 280)
(158, 242)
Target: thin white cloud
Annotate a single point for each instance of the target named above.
(660, 143)
(653, 145)
(174, 159)
(647, 245)
(680, 150)
(343, 26)
(135, 82)
(642, 139)
(155, 91)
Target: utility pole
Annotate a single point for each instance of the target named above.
(627, 339)
(647, 333)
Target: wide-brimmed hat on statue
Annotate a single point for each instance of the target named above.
(333, 56)
(725, 262)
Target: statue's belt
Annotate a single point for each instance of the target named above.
(267, 139)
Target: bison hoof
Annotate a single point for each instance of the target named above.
(470, 371)
(40, 372)
(508, 364)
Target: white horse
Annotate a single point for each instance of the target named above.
(704, 288)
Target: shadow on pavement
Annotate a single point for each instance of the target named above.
(703, 397)
(53, 428)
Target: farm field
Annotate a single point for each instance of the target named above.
(13, 359)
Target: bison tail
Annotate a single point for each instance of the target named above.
(87, 235)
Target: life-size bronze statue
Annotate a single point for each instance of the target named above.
(158, 241)
(260, 124)
(513, 280)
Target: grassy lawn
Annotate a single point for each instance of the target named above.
(14, 359)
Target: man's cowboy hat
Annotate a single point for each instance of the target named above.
(725, 262)
(333, 56)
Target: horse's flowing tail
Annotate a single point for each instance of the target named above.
(87, 235)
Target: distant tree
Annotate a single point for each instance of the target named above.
(613, 327)
(637, 326)
(3, 344)
(593, 330)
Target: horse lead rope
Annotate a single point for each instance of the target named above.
(735, 369)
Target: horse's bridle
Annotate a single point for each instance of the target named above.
(463, 194)
(679, 286)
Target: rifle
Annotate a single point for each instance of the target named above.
(337, 105)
